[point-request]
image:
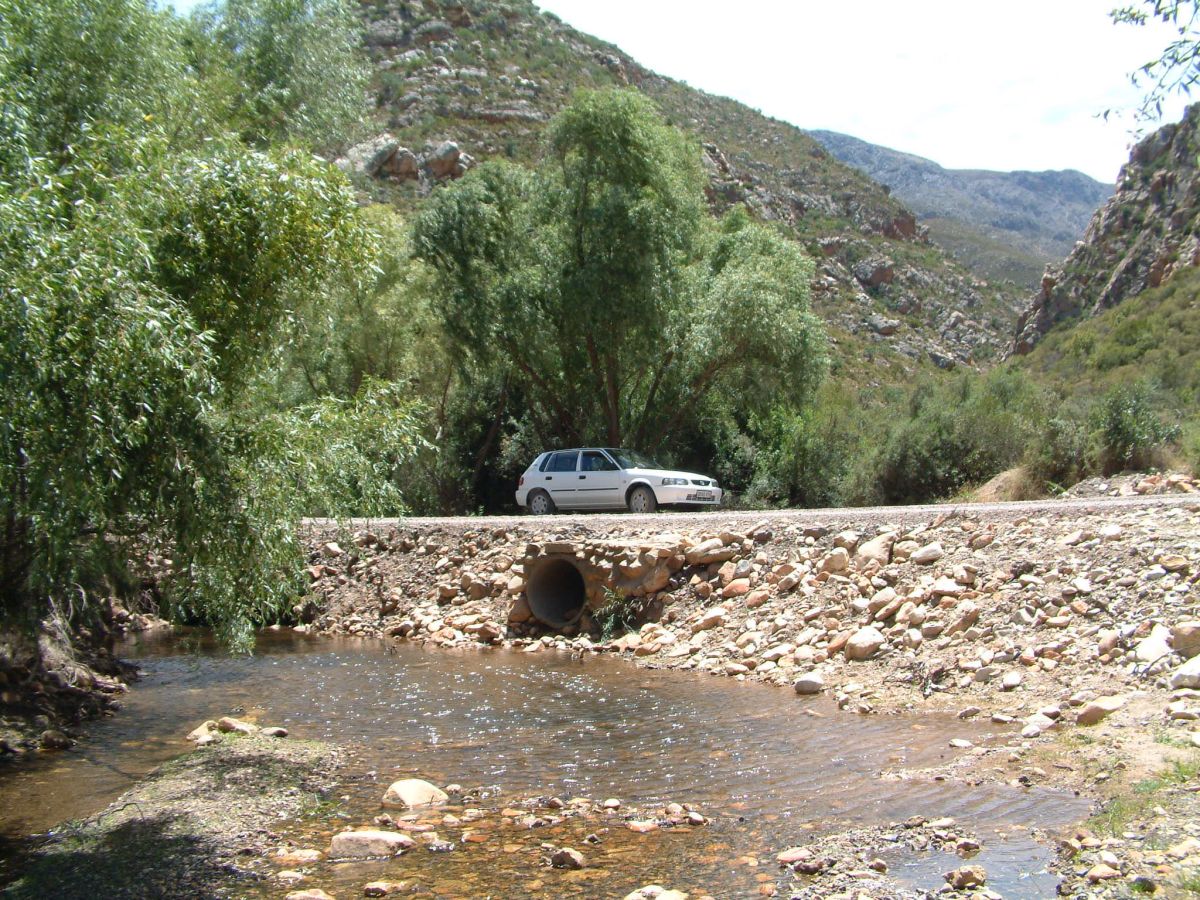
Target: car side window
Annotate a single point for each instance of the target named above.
(564, 462)
(545, 466)
(594, 461)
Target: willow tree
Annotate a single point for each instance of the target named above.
(600, 282)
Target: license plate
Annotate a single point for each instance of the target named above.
(702, 495)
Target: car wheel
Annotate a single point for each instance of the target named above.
(540, 504)
(642, 500)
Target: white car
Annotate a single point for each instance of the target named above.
(606, 478)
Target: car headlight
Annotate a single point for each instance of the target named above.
(667, 481)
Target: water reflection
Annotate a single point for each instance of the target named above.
(540, 724)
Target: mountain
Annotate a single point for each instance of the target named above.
(458, 82)
(1148, 232)
(1001, 224)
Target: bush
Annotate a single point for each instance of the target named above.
(1128, 432)
(1057, 456)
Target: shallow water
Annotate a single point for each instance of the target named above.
(770, 769)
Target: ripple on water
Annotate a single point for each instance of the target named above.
(541, 724)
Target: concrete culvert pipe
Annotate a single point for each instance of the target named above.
(556, 592)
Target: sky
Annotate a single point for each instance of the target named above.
(1016, 84)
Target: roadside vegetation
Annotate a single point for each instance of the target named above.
(207, 332)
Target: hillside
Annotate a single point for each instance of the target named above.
(1003, 225)
(1146, 233)
(488, 76)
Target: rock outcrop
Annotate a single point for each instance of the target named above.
(1146, 232)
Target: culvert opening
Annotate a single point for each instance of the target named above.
(556, 592)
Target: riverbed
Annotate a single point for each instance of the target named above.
(768, 769)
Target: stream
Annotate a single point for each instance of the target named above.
(769, 769)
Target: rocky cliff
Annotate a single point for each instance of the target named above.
(487, 76)
(1147, 231)
(1001, 224)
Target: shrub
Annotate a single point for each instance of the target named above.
(1128, 432)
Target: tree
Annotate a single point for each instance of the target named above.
(126, 344)
(290, 69)
(1177, 68)
(603, 288)
(73, 65)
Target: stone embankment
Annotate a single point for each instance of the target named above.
(1051, 620)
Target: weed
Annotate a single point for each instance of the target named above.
(618, 614)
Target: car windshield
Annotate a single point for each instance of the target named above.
(631, 459)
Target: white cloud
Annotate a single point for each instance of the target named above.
(1015, 85)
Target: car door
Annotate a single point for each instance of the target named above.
(562, 477)
(599, 481)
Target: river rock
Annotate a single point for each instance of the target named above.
(966, 877)
(230, 725)
(370, 843)
(413, 792)
(809, 683)
(567, 858)
(308, 894)
(1187, 675)
(1102, 872)
(864, 643)
(383, 888)
(877, 549)
(655, 892)
(1155, 645)
(837, 560)
(1185, 639)
(1099, 709)
(301, 856)
(203, 734)
(927, 555)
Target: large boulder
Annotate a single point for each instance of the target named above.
(410, 793)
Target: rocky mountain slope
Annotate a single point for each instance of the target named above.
(464, 81)
(1001, 224)
(1146, 233)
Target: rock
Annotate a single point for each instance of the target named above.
(370, 157)
(383, 888)
(1187, 675)
(446, 161)
(809, 683)
(1155, 645)
(1102, 872)
(230, 725)
(1099, 709)
(655, 892)
(308, 894)
(298, 857)
(202, 734)
(711, 619)
(966, 877)
(878, 549)
(53, 739)
(567, 858)
(837, 560)
(367, 844)
(410, 793)
(793, 855)
(331, 549)
(864, 643)
(1011, 681)
(275, 731)
(927, 555)
(1185, 639)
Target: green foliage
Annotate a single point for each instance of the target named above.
(120, 430)
(292, 69)
(597, 282)
(958, 433)
(618, 615)
(1129, 430)
(243, 234)
(69, 66)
